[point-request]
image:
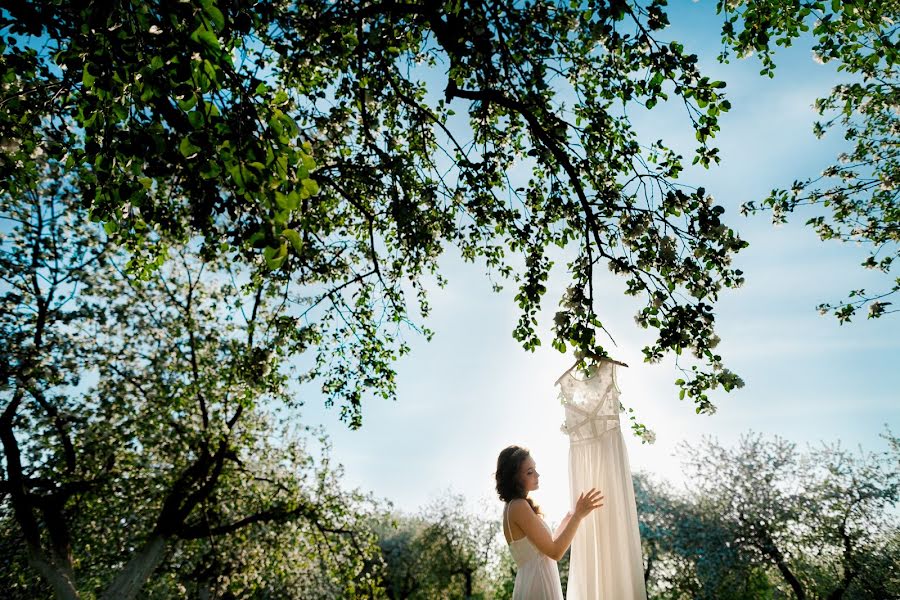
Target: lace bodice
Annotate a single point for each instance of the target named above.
(591, 404)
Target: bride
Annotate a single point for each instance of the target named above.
(531, 543)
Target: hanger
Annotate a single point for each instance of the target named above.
(594, 356)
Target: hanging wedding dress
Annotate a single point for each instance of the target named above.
(605, 561)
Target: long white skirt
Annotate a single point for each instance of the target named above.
(606, 562)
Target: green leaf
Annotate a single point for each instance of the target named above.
(215, 15)
(256, 238)
(281, 165)
(211, 171)
(196, 118)
(294, 238)
(86, 78)
(207, 37)
(275, 256)
(311, 186)
(188, 102)
(287, 201)
(120, 111)
(187, 149)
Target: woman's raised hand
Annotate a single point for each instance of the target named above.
(587, 502)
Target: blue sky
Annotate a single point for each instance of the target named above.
(473, 390)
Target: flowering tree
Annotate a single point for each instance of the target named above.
(320, 138)
(859, 193)
(140, 426)
(441, 551)
(764, 518)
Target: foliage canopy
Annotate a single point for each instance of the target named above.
(203, 118)
(856, 198)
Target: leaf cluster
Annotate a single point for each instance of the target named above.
(312, 138)
(856, 196)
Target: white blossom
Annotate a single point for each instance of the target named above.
(876, 308)
(9, 145)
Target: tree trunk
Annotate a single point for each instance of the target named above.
(792, 580)
(58, 573)
(130, 581)
(849, 570)
(60, 580)
(647, 569)
(786, 572)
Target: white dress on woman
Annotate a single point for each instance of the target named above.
(537, 576)
(606, 562)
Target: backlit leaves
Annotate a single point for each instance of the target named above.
(343, 147)
(857, 196)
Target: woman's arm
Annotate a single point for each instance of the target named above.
(521, 514)
(562, 525)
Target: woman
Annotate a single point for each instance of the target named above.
(531, 543)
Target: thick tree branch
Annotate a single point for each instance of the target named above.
(59, 424)
(272, 515)
(548, 141)
(54, 568)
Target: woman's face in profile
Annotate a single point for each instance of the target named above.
(528, 475)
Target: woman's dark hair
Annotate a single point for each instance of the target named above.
(507, 475)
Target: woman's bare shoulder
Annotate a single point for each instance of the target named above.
(519, 506)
